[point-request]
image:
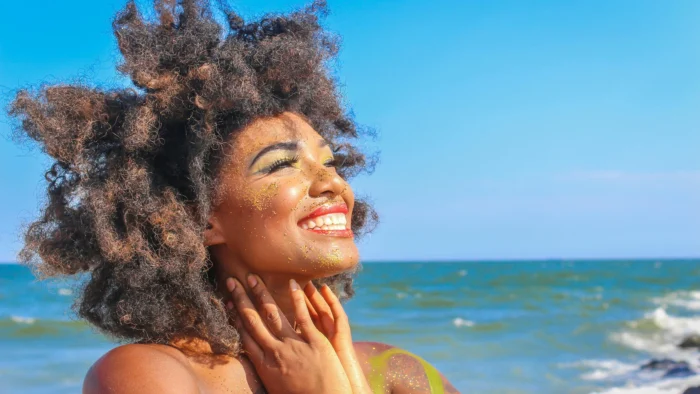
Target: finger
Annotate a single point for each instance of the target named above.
(314, 315)
(311, 309)
(303, 319)
(322, 309)
(275, 320)
(339, 315)
(253, 351)
(248, 316)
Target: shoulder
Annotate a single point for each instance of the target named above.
(399, 371)
(141, 368)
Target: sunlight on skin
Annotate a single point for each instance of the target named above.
(379, 365)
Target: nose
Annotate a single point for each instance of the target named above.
(326, 182)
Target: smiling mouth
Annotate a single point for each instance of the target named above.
(328, 220)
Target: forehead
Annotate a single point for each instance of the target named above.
(264, 132)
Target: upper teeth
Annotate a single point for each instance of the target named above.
(331, 221)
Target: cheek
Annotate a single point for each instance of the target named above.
(275, 204)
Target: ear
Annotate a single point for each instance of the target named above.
(213, 233)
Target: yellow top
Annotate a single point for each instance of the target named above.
(379, 363)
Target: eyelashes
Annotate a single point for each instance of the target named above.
(290, 162)
(281, 163)
(331, 162)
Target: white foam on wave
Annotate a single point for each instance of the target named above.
(23, 319)
(604, 369)
(663, 340)
(65, 292)
(689, 300)
(656, 335)
(667, 386)
(401, 295)
(459, 322)
(678, 326)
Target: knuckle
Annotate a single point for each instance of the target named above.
(277, 356)
(259, 292)
(239, 295)
(272, 316)
(303, 321)
(275, 359)
(326, 310)
(259, 288)
(252, 320)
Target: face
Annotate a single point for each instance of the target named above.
(282, 208)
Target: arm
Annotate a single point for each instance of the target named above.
(393, 370)
(139, 369)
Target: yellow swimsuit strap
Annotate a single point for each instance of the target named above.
(379, 363)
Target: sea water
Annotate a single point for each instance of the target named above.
(489, 327)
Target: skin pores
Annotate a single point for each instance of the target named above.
(279, 174)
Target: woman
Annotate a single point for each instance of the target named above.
(208, 206)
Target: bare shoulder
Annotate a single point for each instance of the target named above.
(394, 370)
(141, 368)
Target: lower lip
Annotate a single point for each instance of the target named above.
(334, 233)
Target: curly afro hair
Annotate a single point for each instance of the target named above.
(132, 182)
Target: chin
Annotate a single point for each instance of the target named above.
(334, 261)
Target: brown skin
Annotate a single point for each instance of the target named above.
(254, 230)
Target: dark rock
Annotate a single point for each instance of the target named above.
(664, 364)
(679, 372)
(691, 341)
(692, 390)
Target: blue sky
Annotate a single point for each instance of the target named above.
(508, 129)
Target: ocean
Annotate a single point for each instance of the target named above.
(490, 327)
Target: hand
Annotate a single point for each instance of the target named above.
(329, 317)
(286, 361)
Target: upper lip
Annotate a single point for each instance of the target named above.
(340, 207)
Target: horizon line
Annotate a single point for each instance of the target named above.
(505, 260)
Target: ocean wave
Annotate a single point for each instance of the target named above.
(630, 378)
(603, 369)
(459, 322)
(689, 300)
(673, 324)
(668, 386)
(23, 319)
(65, 292)
(657, 334)
(22, 327)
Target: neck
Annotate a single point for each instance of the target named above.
(277, 284)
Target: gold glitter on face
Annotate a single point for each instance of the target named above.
(263, 198)
(334, 257)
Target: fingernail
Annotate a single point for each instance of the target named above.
(229, 305)
(252, 281)
(230, 284)
(293, 285)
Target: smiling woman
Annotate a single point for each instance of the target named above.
(201, 202)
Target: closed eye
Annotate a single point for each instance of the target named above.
(280, 164)
(331, 162)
